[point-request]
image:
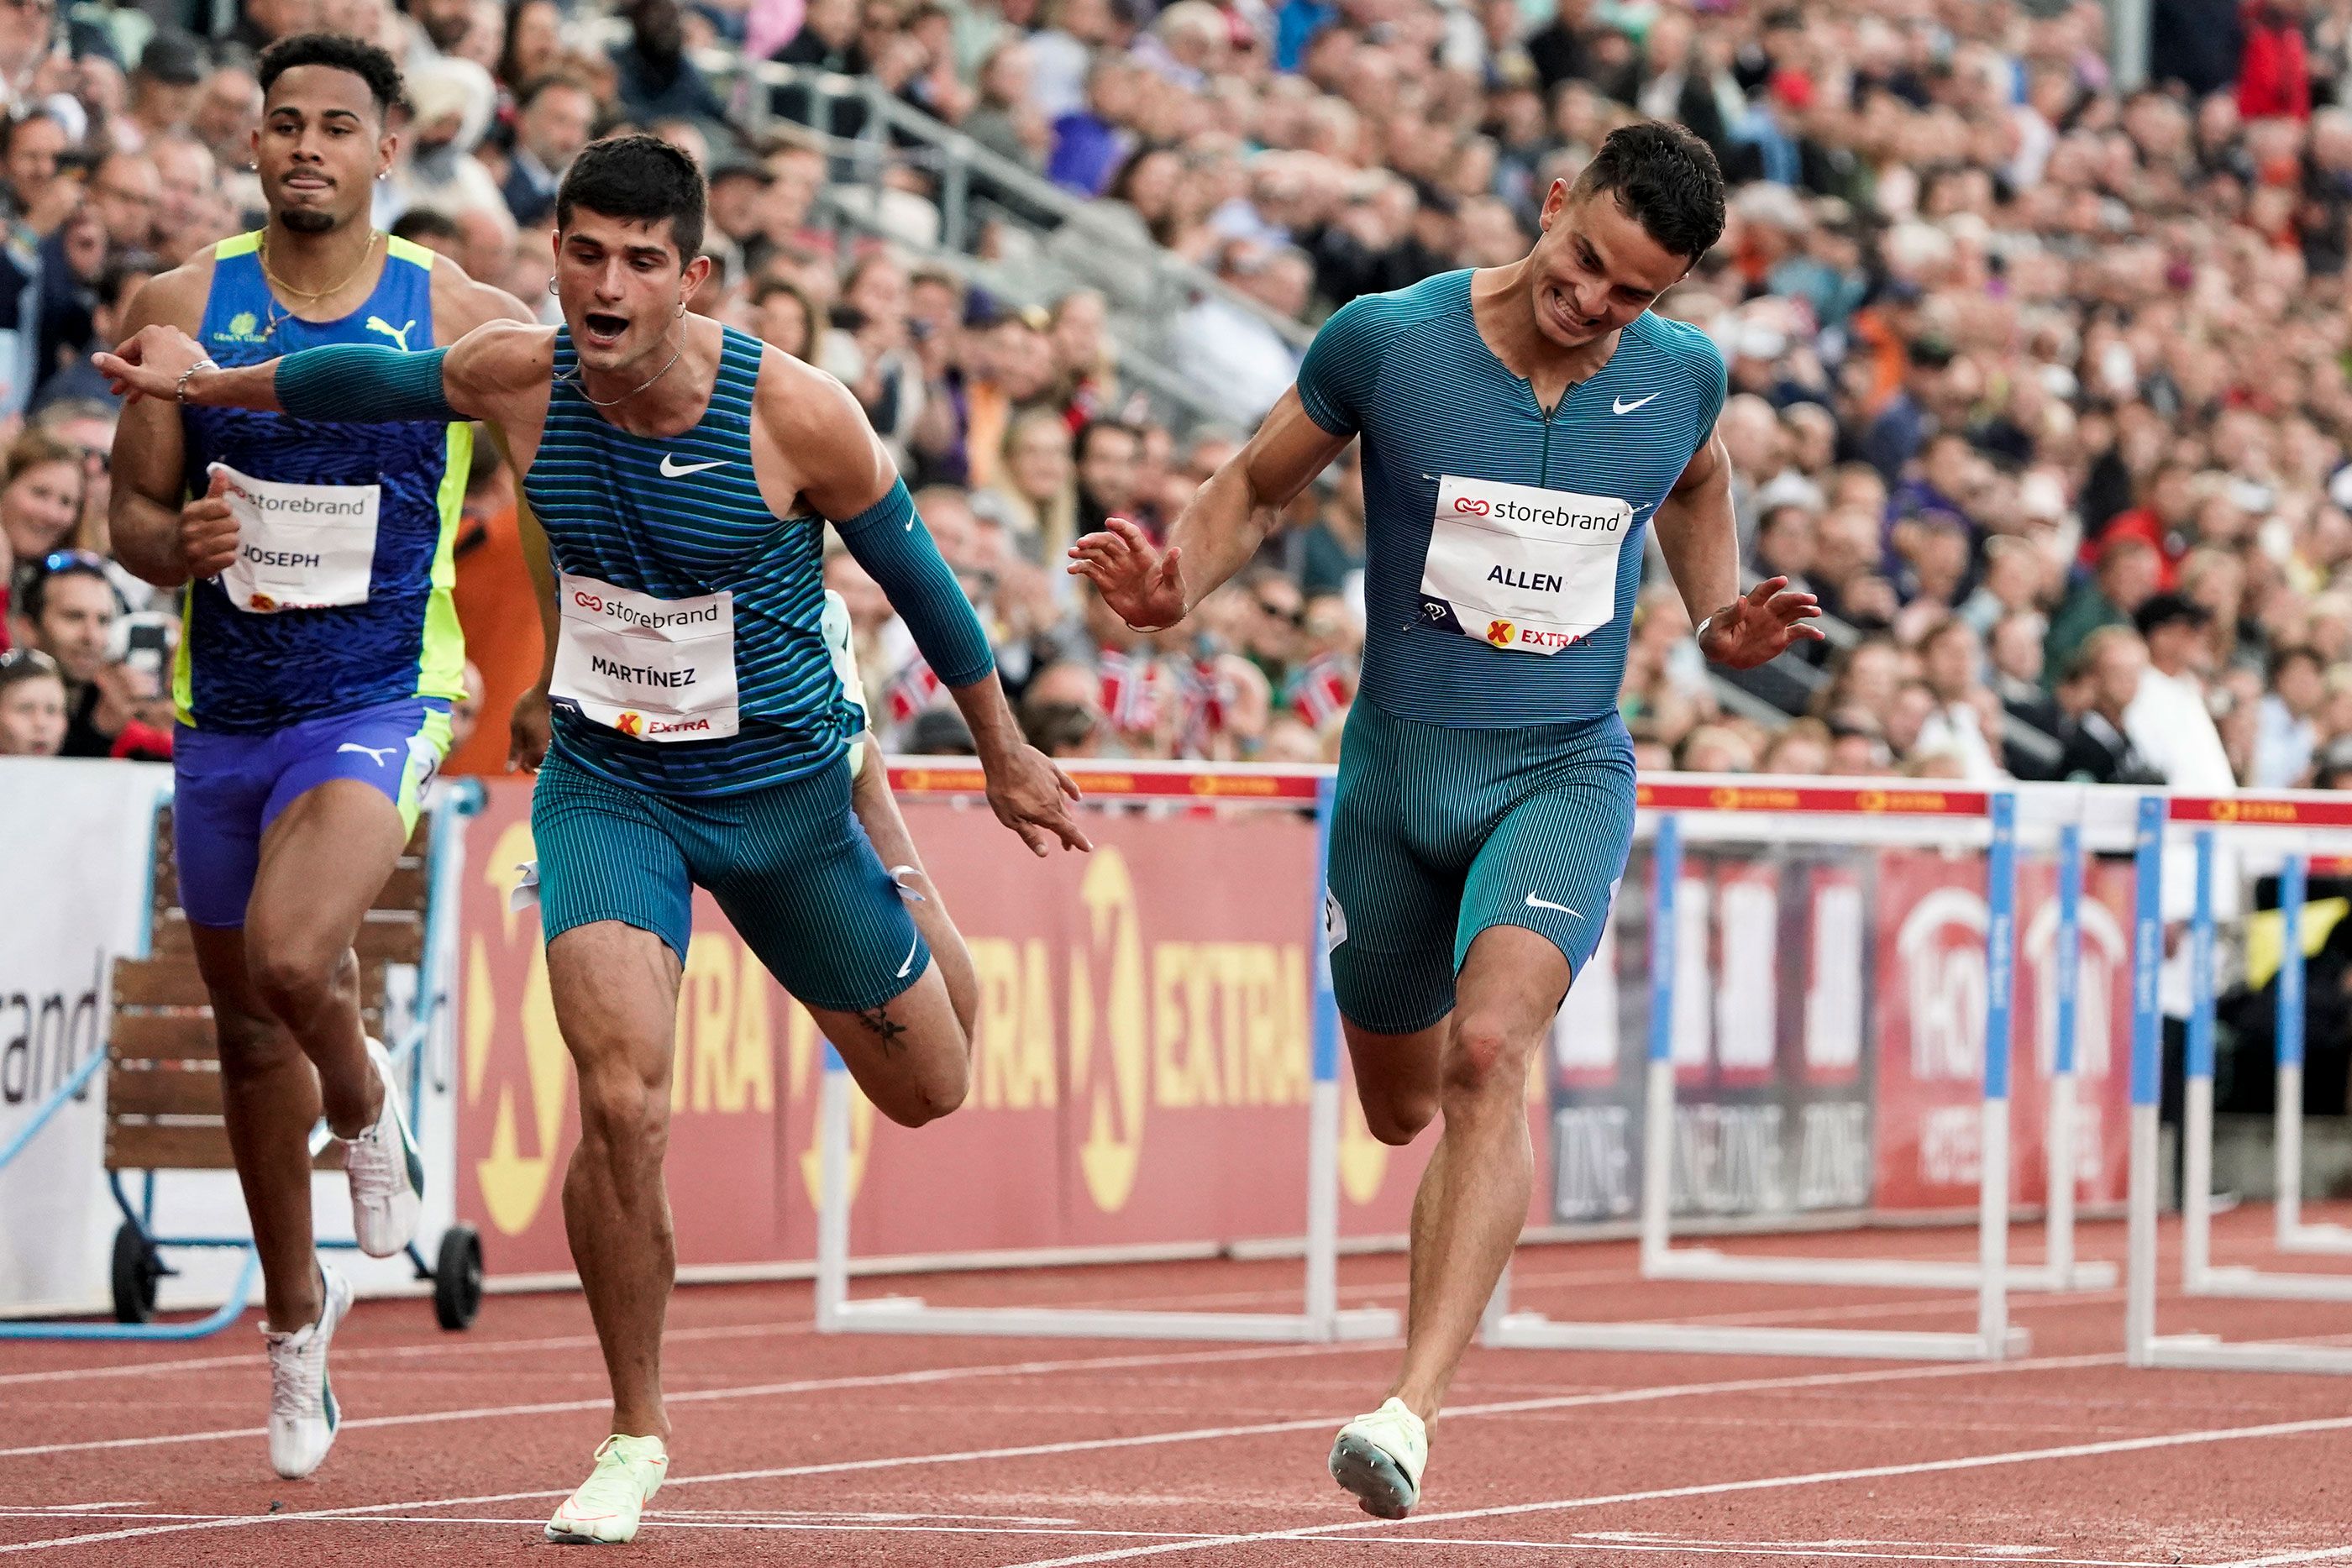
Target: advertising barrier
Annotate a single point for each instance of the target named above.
(73, 861)
(1141, 1074)
(1828, 1036)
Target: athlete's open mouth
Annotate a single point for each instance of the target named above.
(602, 329)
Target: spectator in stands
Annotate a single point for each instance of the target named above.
(1229, 352)
(40, 499)
(1784, 545)
(783, 315)
(1967, 720)
(71, 608)
(1106, 453)
(32, 705)
(1803, 747)
(1009, 120)
(2168, 721)
(1061, 711)
(2111, 663)
(2288, 736)
(77, 379)
(1035, 495)
(2127, 576)
(554, 123)
(653, 79)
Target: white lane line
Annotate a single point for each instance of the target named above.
(1748, 1548)
(2323, 1554)
(919, 1377)
(1153, 1439)
(1762, 1483)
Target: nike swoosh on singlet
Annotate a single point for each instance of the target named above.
(1619, 405)
(671, 468)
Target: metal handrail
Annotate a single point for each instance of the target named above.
(960, 161)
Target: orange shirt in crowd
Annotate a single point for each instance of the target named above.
(499, 608)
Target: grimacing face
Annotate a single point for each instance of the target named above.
(1595, 268)
(622, 286)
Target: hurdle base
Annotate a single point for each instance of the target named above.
(2316, 1239)
(2206, 1353)
(1712, 1265)
(909, 1315)
(2261, 1285)
(1533, 1331)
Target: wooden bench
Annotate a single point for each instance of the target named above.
(162, 1083)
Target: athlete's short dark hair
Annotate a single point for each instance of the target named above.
(639, 178)
(1666, 180)
(336, 52)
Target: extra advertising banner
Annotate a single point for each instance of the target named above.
(1772, 1105)
(1142, 1061)
(73, 843)
(1828, 1035)
(1931, 1021)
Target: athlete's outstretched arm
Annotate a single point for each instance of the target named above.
(811, 440)
(478, 377)
(1219, 530)
(1701, 544)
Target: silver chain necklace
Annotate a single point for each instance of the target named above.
(579, 380)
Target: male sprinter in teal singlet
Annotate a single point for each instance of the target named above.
(318, 655)
(1522, 425)
(683, 476)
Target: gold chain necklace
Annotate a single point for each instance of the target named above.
(280, 285)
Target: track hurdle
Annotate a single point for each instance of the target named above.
(1320, 1319)
(1809, 810)
(2144, 1346)
(2198, 1276)
(2295, 1234)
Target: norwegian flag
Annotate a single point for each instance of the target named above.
(1130, 691)
(1200, 691)
(1318, 691)
(913, 689)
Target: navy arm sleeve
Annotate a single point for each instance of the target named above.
(889, 540)
(364, 384)
(1343, 366)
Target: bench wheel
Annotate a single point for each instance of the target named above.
(136, 1269)
(458, 1278)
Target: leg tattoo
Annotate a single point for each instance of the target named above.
(886, 1027)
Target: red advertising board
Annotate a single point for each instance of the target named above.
(1140, 1075)
(1931, 1028)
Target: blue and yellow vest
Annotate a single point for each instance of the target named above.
(241, 671)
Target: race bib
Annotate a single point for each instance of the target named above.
(654, 669)
(299, 547)
(1521, 567)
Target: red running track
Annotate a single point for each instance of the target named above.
(796, 1449)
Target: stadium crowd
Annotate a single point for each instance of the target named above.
(2039, 385)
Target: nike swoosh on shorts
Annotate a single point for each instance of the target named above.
(1535, 903)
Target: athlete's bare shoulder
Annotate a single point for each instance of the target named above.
(174, 298)
(461, 303)
(498, 367)
(818, 431)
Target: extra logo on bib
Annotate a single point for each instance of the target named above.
(299, 547)
(1521, 567)
(654, 669)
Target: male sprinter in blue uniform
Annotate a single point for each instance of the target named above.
(318, 655)
(683, 477)
(1522, 425)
